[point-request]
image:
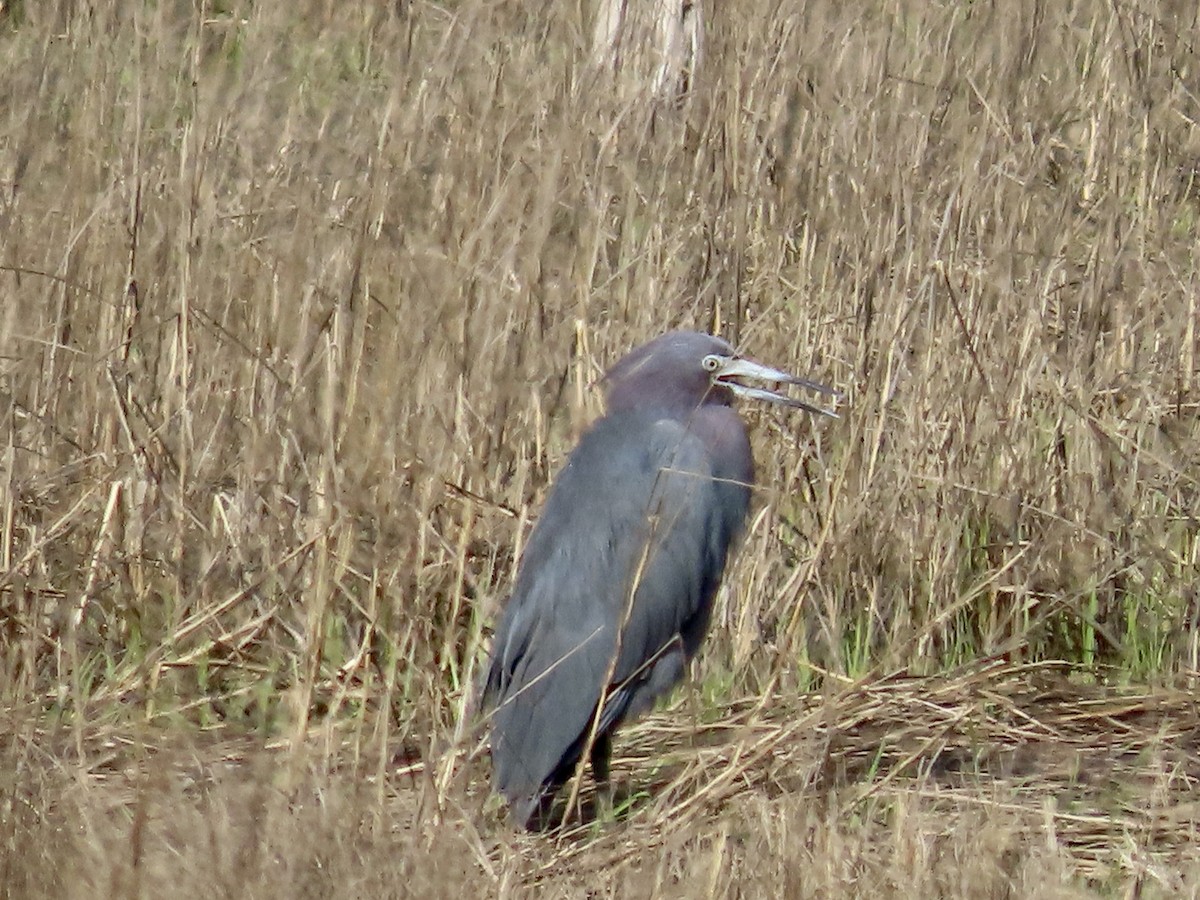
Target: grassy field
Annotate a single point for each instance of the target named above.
(302, 306)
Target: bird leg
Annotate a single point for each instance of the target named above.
(600, 759)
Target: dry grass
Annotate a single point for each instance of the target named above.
(301, 307)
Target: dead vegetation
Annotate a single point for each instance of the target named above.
(993, 780)
(301, 309)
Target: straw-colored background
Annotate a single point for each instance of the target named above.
(300, 310)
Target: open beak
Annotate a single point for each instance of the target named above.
(748, 368)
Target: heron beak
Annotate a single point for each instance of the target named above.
(748, 368)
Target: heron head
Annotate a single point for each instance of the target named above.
(725, 370)
(686, 369)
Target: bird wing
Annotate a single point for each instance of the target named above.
(635, 511)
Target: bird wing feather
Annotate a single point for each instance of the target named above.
(636, 509)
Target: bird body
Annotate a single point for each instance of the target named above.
(614, 592)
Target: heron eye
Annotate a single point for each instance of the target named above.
(711, 363)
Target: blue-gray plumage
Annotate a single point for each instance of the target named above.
(615, 589)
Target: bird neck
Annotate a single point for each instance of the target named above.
(723, 432)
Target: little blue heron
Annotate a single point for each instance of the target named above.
(615, 589)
